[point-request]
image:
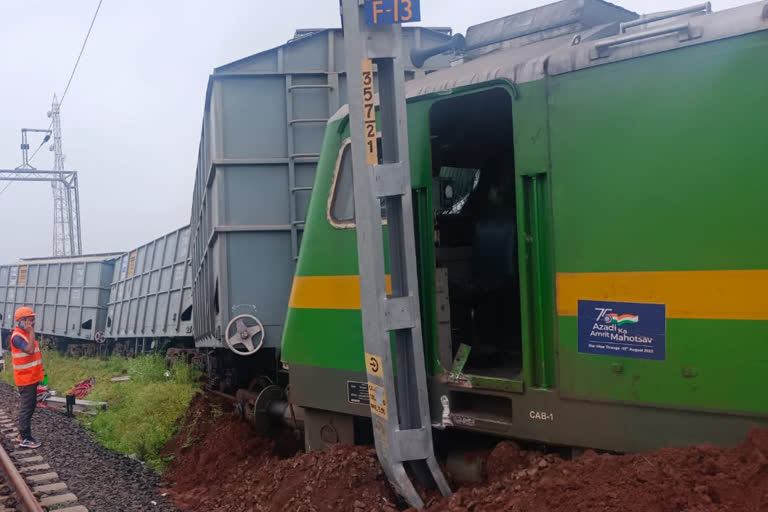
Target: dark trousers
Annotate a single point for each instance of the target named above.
(26, 409)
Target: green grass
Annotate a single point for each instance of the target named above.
(142, 413)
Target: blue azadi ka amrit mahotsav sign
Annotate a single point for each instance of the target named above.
(623, 329)
(388, 12)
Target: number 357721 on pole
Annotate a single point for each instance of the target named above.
(387, 12)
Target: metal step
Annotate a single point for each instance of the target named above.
(310, 86)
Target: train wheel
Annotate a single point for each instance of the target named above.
(75, 351)
(259, 383)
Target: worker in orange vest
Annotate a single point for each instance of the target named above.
(27, 371)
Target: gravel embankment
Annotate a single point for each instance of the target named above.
(103, 480)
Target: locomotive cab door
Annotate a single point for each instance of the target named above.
(474, 201)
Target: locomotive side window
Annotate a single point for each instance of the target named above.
(343, 205)
(341, 211)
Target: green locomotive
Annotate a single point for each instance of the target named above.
(589, 192)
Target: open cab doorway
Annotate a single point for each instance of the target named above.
(476, 240)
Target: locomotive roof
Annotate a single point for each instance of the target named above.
(593, 47)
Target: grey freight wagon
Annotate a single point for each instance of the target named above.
(263, 126)
(69, 295)
(151, 295)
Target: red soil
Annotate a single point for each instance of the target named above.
(221, 464)
(231, 468)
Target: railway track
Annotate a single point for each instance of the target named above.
(36, 485)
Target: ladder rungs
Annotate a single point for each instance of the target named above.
(315, 86)
(398, 313)
(301, 189)
(304, 155)
(391, 180)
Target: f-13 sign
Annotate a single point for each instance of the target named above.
(388, 12)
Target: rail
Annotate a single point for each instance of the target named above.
(17, 481)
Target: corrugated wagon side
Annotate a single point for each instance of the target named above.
(69, 295)
(151, 297)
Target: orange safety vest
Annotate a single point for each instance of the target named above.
(27, 368)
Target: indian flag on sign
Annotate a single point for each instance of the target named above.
(624, 319)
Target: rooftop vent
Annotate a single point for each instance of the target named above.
(542, 23)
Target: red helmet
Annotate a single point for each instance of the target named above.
(23, 312)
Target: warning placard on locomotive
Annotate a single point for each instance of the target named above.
(623, 329)
(377, 397)
(357, 392)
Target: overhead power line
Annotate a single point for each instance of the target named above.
(71, 76)
(82, 49)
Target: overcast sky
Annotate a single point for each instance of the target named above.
(132, 117)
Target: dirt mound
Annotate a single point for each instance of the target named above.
(221, 464)
(692, 479)
(340, 478)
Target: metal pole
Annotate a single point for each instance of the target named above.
(399, 404)
(24, 150)
(70, 227)
(78, 232)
